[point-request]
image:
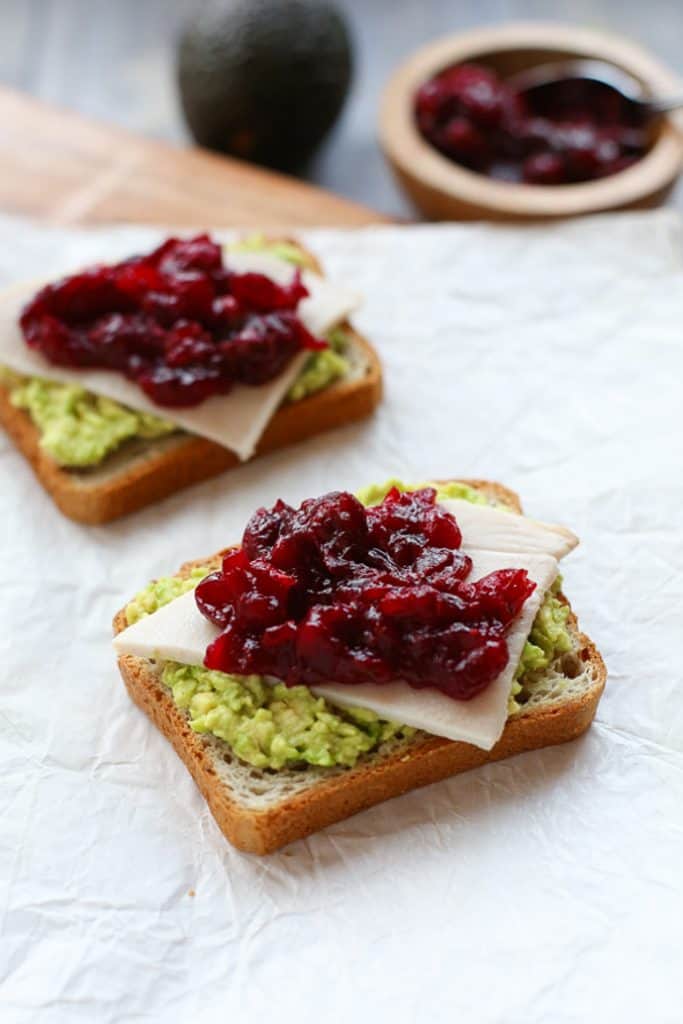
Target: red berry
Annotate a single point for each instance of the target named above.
(261, 348)
(177, 387)
(175, 321)
(226, 310)
(465, 78)
(474, 118)
(258, 292)
(464, 142)
(334, 591)
(429, 99)
(544, 169)
(578, 142)
(188, 343)
(482, 101)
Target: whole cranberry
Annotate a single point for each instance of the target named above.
(188, 343)
(583, 163)
(137, 278)
(544, 169)
(116, 335)
(261, 349)
(165, 307)
(226, 310)
(429, 99)
(579, 144)
(91, 293)
(196, 294)
(464, 142)
(257, 292)
(463, 77)
(482, 100)
(176, 386)
(472, 90)
(177, 255)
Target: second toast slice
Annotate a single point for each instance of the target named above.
(142, 472)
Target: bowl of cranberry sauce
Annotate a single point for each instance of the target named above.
(466, 143)
(565, 132)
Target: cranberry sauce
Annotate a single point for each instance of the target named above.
(565, 132)
(333, 591)
(177, 322)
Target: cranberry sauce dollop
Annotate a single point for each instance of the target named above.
(333, 591)
(566, 132)
(177, 322)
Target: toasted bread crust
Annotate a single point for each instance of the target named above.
(370, 783)
(193, 459)
(263, 832)
(162, 472)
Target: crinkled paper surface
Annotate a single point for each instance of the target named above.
(546, 888)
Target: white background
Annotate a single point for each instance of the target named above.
(545, 888)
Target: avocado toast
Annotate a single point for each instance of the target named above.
(265, 791)
(131, 458)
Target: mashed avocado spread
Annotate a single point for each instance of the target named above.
(375, 493)
(79, 429)
(288, 251)
(162, 591)
(322, 368)
(267, 726)
(276, 726)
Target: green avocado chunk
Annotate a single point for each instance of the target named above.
(374, 493)
(549, 635)
(79, 429)
(274, 726)
(162, 591)
(322, 368)
(267, 726)
(288, 251)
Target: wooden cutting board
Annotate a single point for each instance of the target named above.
(62, 167)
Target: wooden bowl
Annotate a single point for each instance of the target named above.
(443, 190)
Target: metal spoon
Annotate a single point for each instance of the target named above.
(594, 71)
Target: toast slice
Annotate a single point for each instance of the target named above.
(142, 472)
(260, 811)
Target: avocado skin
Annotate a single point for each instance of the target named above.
(264, 80)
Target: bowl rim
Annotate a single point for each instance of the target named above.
(405, 148)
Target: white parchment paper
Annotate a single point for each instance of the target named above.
(547, 888)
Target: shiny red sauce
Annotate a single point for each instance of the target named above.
(334, 591)
(177, 322)
(564, 133)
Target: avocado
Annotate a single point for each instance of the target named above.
(264, 80)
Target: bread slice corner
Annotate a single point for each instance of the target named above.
(260, 811)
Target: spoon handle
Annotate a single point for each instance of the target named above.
(655, 107)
